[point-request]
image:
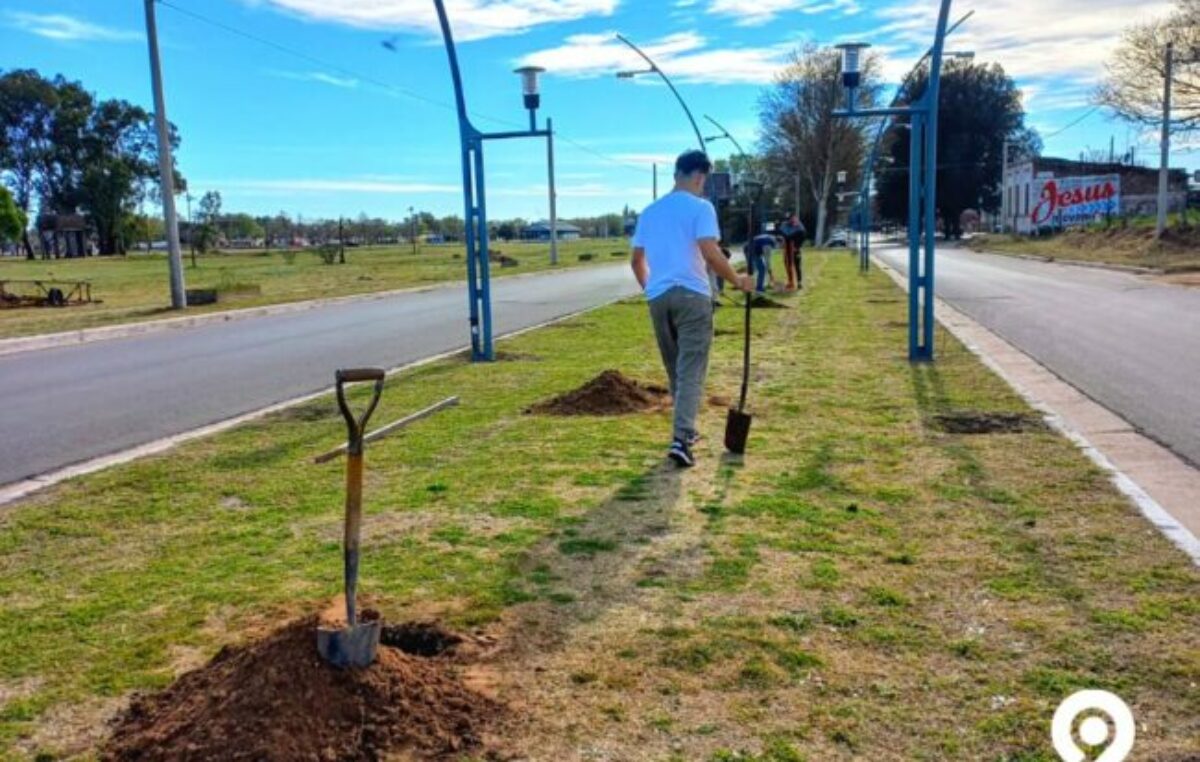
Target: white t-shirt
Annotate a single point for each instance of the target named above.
(669, 230)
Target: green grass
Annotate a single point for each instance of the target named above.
(134, 288)
(861, 586)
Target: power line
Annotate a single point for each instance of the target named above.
(378, 82)
(1085, 115)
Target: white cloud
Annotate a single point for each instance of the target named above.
(1061, 44)
(63, 28)
(684, 56)
(758, 12)
(470, 19)
(346, 83)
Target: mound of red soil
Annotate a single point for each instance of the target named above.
(276, 699)
(610, 393)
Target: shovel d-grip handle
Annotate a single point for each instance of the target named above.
(357, 427)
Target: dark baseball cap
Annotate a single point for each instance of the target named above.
(690, 162)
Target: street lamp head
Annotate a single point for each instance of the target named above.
(852, 62)
(631, 73)
(962, 55)
(529, 85)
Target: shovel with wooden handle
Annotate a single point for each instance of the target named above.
(737, 423)
(355, 644)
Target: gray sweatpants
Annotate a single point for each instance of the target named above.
(683, 325)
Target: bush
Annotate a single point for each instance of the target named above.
(328, 253)
(289, 256)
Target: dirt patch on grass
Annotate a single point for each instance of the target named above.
(276, 699)
(610, 393)
(767, 303)
(975, 422)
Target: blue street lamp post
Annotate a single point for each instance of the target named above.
(474, 191)
(922, 185)
(864, 248)
(749, 184)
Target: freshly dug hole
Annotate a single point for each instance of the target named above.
(987, 423)
(610, 393)
(276, 699)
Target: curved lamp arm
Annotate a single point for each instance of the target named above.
(678, 97)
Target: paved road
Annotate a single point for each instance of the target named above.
(1129, 343)
(71, 404)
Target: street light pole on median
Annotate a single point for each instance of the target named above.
(166, 166)
(922, 180)
(472, 141)
(667, 80)
(553, 193)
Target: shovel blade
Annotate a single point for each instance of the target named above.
(737, 431)
(349, 647)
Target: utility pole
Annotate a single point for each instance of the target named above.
(1004, 187)
(553, 193)
(1165, 157)
(412, 228)
(166, 167)
(656, 181)
(187, 195)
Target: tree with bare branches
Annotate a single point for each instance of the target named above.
(801, 138)
(1133, 87)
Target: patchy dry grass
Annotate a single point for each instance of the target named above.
(134, 288)
(1177, 253)
(862, 586)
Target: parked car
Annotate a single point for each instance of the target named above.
(838, 239)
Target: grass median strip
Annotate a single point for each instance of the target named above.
(134, 288)
(867, 584)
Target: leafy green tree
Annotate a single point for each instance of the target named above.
(72, 154)
(209, 212)
(12, 219)
(980, 108)
(242, 225)
(27, 103)
(452, 227)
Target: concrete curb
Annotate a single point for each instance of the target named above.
(14, 491)
(129, 330)
(1164, 488)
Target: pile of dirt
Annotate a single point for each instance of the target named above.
(970, 422)
(610, 393)
(276, 699)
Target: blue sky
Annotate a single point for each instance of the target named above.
(340, 132)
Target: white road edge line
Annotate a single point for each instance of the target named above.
(1163, 521)
(14, 491)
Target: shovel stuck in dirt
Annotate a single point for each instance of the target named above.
(737, 423)
(355, 644)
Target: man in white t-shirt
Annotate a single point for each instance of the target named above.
(675, 244)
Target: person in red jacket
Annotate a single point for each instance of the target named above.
(793, 233)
